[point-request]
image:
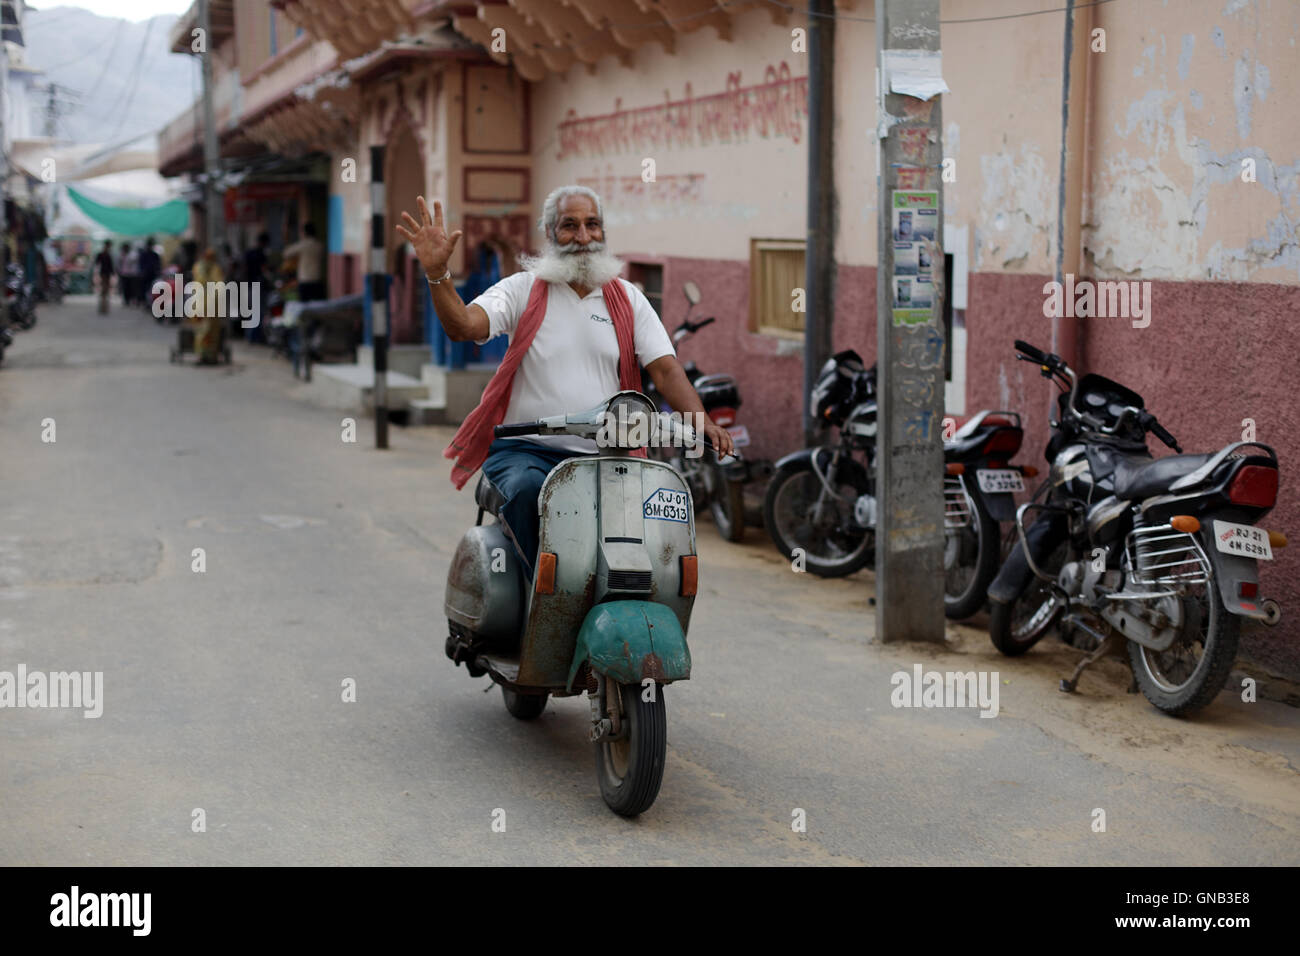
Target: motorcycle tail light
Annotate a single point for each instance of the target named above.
(1004, 439)
(545, 573)
(690, 574)
(1255, 486)
(723, 416)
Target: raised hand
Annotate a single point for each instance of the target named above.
(429, 238)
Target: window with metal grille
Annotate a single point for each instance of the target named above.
(776, 271)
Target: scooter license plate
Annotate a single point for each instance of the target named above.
(995, 481)
(739, 435)
(1242, 539)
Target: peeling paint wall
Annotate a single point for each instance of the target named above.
(1186, 91)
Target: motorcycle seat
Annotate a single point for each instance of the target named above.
(1143, 477)
(488, 496)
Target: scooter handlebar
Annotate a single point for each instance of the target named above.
(517, 428)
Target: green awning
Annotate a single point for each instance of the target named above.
(169, 219)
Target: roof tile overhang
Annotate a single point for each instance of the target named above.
(536, 37)
(221, 15)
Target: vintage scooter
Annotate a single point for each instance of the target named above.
(609, 602)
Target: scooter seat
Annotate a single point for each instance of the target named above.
(1142, 477)
(488, 496)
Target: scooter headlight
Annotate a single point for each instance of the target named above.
(630, 422)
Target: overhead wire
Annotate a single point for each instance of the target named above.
(135, 84)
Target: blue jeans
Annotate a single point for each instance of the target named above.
(518, 468)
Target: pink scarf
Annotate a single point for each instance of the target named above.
(470, 445)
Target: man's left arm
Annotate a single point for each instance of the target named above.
(671, 381)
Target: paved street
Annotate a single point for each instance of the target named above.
(326, 560)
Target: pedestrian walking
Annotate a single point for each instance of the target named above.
(207, 337)
(128, 271)
(255, 265)
(150, 269)
(104, 272)
(309, 252)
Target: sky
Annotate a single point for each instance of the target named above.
(129, 9)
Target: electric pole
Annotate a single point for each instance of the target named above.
(211, 156)
(910, 333)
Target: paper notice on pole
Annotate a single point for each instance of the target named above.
(916, 73)
(915, 215)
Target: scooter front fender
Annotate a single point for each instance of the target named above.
(628, 641)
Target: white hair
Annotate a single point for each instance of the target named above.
(550, 217)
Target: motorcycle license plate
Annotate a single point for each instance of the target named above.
(994, 481)
(1242, 539)
(739, 435)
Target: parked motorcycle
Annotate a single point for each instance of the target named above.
(719, 487)
(609, 602)
(19, 297)
(978, 494)
(821, 500)
(6, 334)
(1159, 553)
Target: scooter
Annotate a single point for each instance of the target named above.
(718, 487)
(609, 601)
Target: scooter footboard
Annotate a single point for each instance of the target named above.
(628, 641)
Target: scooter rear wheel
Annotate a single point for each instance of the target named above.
(523, 706)
(631, 768)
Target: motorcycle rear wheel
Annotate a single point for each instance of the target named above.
(631, 769)
(1178, 681)
(976, 549)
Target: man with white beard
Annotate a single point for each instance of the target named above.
(578, 334)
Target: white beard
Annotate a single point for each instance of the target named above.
(594, 268)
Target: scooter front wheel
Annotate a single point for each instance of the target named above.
(630, 768)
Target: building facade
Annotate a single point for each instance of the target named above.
(1181, 179)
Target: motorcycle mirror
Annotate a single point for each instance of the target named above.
(692, 292)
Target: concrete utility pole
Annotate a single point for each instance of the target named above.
(211, 155)
(379, 295)
(909, 302)
(819, 258)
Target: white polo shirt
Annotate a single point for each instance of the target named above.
(572, 363)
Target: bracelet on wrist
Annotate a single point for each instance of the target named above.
(442, 278)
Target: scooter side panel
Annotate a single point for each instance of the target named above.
(569, 530)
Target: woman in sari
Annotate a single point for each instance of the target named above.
(207, 335)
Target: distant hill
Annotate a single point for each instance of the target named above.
(129, 82)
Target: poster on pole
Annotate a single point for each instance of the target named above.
(914, 225)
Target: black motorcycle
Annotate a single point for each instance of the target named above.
(1159, 553)
(820, 505)
(714, 485)
(979, 486)
(20, 299)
